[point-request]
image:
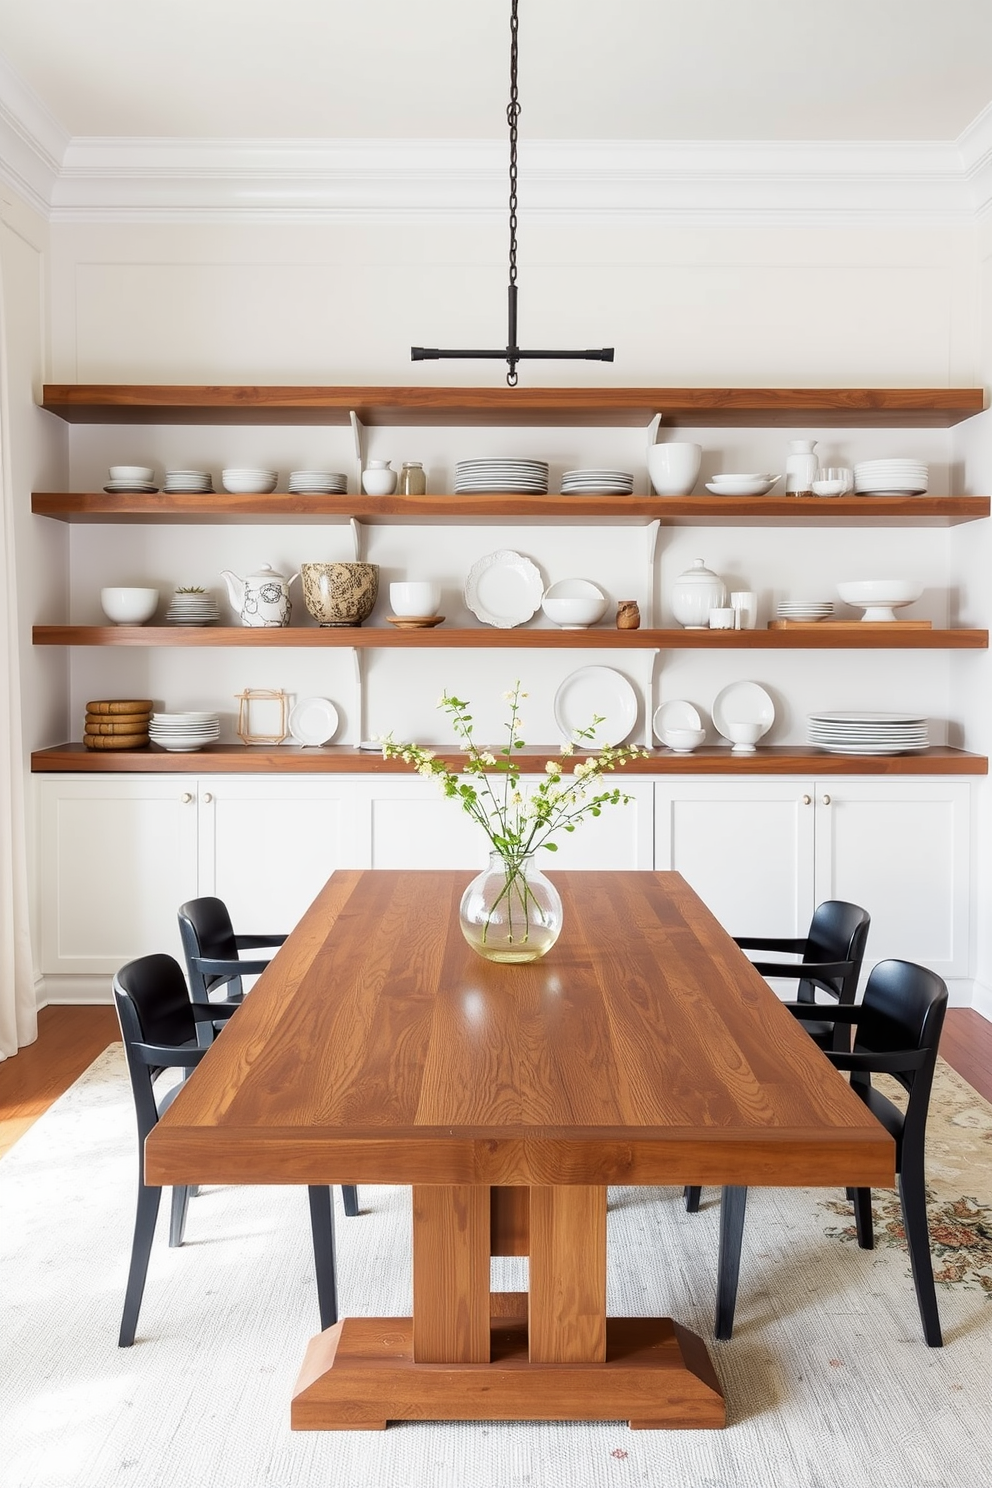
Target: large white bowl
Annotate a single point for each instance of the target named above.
(880, 598)
(674, 468)
(129, 606)
(248, 483)
(143, 473)
(741, 485)
(573, 604)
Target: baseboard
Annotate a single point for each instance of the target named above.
(981, 1000)
(67, 991)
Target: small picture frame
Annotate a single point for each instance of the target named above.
(262, 716)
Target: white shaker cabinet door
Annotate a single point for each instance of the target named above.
(118, 854)
(745, 846)
(268, 845)
(901, 849)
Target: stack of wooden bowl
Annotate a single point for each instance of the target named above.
(117, 723)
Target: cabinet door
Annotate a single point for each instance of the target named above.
(746, 847)
(268, 845)
(118, 855)
(901, 849)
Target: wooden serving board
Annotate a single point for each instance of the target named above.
(850, 624)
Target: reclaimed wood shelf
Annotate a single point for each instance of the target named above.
(108, 403)
(673, 511)
(339, 759)
(870, 638)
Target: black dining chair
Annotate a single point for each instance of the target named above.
(831, 955)
(896, 1032)
(159, 1026)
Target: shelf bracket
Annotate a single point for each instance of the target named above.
(358, 660)
(653, 428)
(651, 532)
(358, 434)
(652, 695)
(357, 539)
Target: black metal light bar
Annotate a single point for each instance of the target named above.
(511, 353)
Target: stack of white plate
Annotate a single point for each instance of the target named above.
(192, 607)
(181, 733)
(597, 483)
(868, 733)
(130, 478)
(480, 476)
(318, 483)
(891, 478)
(188, 480)
(804, 609)
(249, 482)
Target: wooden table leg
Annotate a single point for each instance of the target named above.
(567, 1314)
(451, 1231)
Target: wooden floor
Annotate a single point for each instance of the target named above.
(70, 1038)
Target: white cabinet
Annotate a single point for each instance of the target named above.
(764, 853)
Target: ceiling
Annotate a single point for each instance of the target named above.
(773, 70)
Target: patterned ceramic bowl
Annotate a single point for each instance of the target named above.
(340, 593)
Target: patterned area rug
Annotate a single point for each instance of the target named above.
(827, 1376)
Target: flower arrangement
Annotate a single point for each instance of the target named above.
(511, 925)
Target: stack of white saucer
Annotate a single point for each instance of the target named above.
(597, 483)
(182, 733)
(497, 475)
(192, 607)
(188, 480)
(249, 481)
(891, 478)
(318, 483)
(130, 478)
(804, 609)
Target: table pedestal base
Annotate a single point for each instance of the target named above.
(361, 1373)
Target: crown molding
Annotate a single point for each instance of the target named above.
(975, 149)
(32, 142)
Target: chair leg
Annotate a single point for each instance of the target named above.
(862, 1217)
(141, 1246)
(350, 1195)
(322, 1227)
(177, 1219)
(732, 1207)
(912, 1194)
(691, 1194)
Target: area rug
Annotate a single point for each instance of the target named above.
(827, 1378)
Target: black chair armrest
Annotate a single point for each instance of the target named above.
(811, 971)
(842, 1013)
(878, 1064)
(253, 942)
(769, 943)
(170, 1056)
(228, 969)
(214, 1012)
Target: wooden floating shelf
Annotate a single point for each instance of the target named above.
(108, 403)
(674, 511)
(871, 638)
(336, 759)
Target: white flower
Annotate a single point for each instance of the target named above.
(487, 758)
(509, 697)
(552, 768)
(568, 748)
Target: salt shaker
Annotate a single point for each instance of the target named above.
(628, 615)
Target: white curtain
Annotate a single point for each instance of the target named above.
(18, 1016)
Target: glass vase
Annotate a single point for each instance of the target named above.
(511, 912)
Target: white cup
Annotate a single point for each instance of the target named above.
(722, 619)
(744, 603)
(415, 598)
(674, 468)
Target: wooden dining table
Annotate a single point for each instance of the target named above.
(378, 1048)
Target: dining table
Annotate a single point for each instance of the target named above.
(643, 1049)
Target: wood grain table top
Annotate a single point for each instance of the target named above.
(377, 1047)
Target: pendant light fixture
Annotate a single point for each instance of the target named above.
(512, 353)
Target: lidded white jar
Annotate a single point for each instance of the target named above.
(695, 593)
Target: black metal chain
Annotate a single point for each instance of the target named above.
(512, 116)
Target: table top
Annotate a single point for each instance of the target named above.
(644, 1048)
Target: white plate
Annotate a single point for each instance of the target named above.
(596, 691)
(504, 589)
(743, 702)
(313, 721)
(675, 714)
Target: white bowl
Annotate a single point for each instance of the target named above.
(674, 468)
(574, 604)
(414, 598)
(744, 736)
(143, 473)
(683, 741)
(880, 598)
(129, 606)
(741, 485)
(248, 483)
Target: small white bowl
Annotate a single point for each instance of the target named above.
(129, 606)
(741, 485)
(683, 741)
(744, 736)
(574, 604)
(248, 483)
(143, 473)
(415, 598)
(880, 598)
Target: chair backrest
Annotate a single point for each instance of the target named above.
(153, 1007)
(838, 931)
(902, 1011)
(207, 934)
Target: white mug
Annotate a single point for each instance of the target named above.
(415, 597)
(745, 606)
(721, 619)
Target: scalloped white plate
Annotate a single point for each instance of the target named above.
(504, 589)
(313, 721)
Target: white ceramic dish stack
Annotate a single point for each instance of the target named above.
(528, 477)
(318, 483)
(868, 733)
(192, 607)
(249, 481)
(807, 610)
(183, 733)
(131, 478)
(891, 477)
(193, 481)
(597, 483)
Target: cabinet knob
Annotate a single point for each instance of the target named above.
(186, 797)
(807, 800)
(826, 800)
(206, 798)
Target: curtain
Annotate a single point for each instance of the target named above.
(18, 1015)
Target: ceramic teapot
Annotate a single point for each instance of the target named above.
(262, 598)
